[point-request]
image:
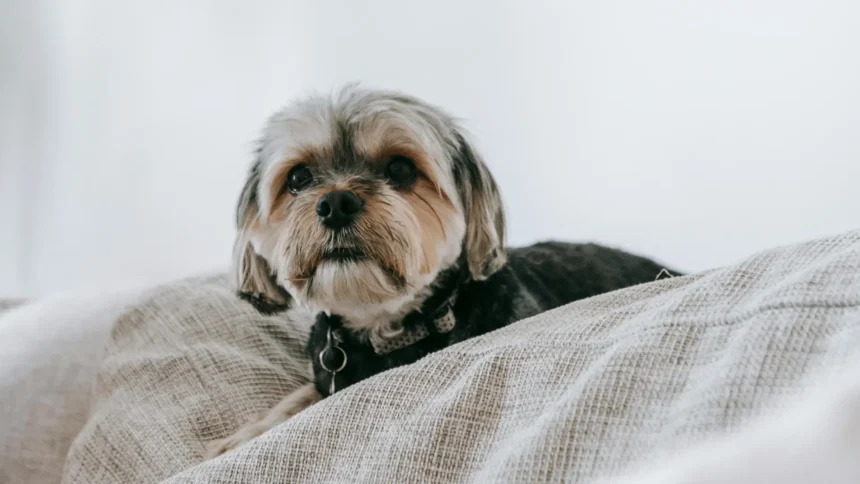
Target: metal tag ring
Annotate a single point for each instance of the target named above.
(322, 361)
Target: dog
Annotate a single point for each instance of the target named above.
(373, 210)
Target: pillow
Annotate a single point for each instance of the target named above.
(580, 392)
(50, 350)
(187, 364)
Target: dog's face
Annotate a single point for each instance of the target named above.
(355, 204)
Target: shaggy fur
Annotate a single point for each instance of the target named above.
(423, 241)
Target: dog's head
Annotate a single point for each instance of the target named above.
(357, 202)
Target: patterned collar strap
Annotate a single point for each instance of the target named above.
(442, 319)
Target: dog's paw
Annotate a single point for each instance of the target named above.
(241, 436)
(300, 399)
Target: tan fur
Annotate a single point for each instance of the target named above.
(384, 133)
(300, 399)
(433, 212)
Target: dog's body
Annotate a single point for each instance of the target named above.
(373, 211)
(535, 279)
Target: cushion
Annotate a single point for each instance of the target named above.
(581, 392)
(187, 364)
(51, 350)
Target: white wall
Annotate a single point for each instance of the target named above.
(153, 110)
(695, 132)
(25, 79)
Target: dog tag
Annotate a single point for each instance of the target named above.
(332, 359)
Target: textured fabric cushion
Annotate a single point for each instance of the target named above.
(186, 365)
(50, 352)
(574, 394)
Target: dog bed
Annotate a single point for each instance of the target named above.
(582, 392)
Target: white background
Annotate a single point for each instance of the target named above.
(693, 132)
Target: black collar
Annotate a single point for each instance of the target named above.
(436, 314)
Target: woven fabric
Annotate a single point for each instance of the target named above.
(186, 365)
(571, 395)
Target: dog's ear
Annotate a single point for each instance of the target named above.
(252, 276)
(485, 216)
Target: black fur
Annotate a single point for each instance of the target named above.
(535, 279)
(261, 304)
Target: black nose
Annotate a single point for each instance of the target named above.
(338, 208)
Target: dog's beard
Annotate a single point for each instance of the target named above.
(353, 266)
(351, 282)
(383, 260)
(361, 285)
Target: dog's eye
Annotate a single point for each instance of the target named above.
(401, 171)
(299, 178)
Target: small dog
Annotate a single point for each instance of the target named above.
(374, 211)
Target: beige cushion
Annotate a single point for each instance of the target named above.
(580, 392)
(50, 351)
(184, 366)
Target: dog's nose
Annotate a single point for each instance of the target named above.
(338, 208)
